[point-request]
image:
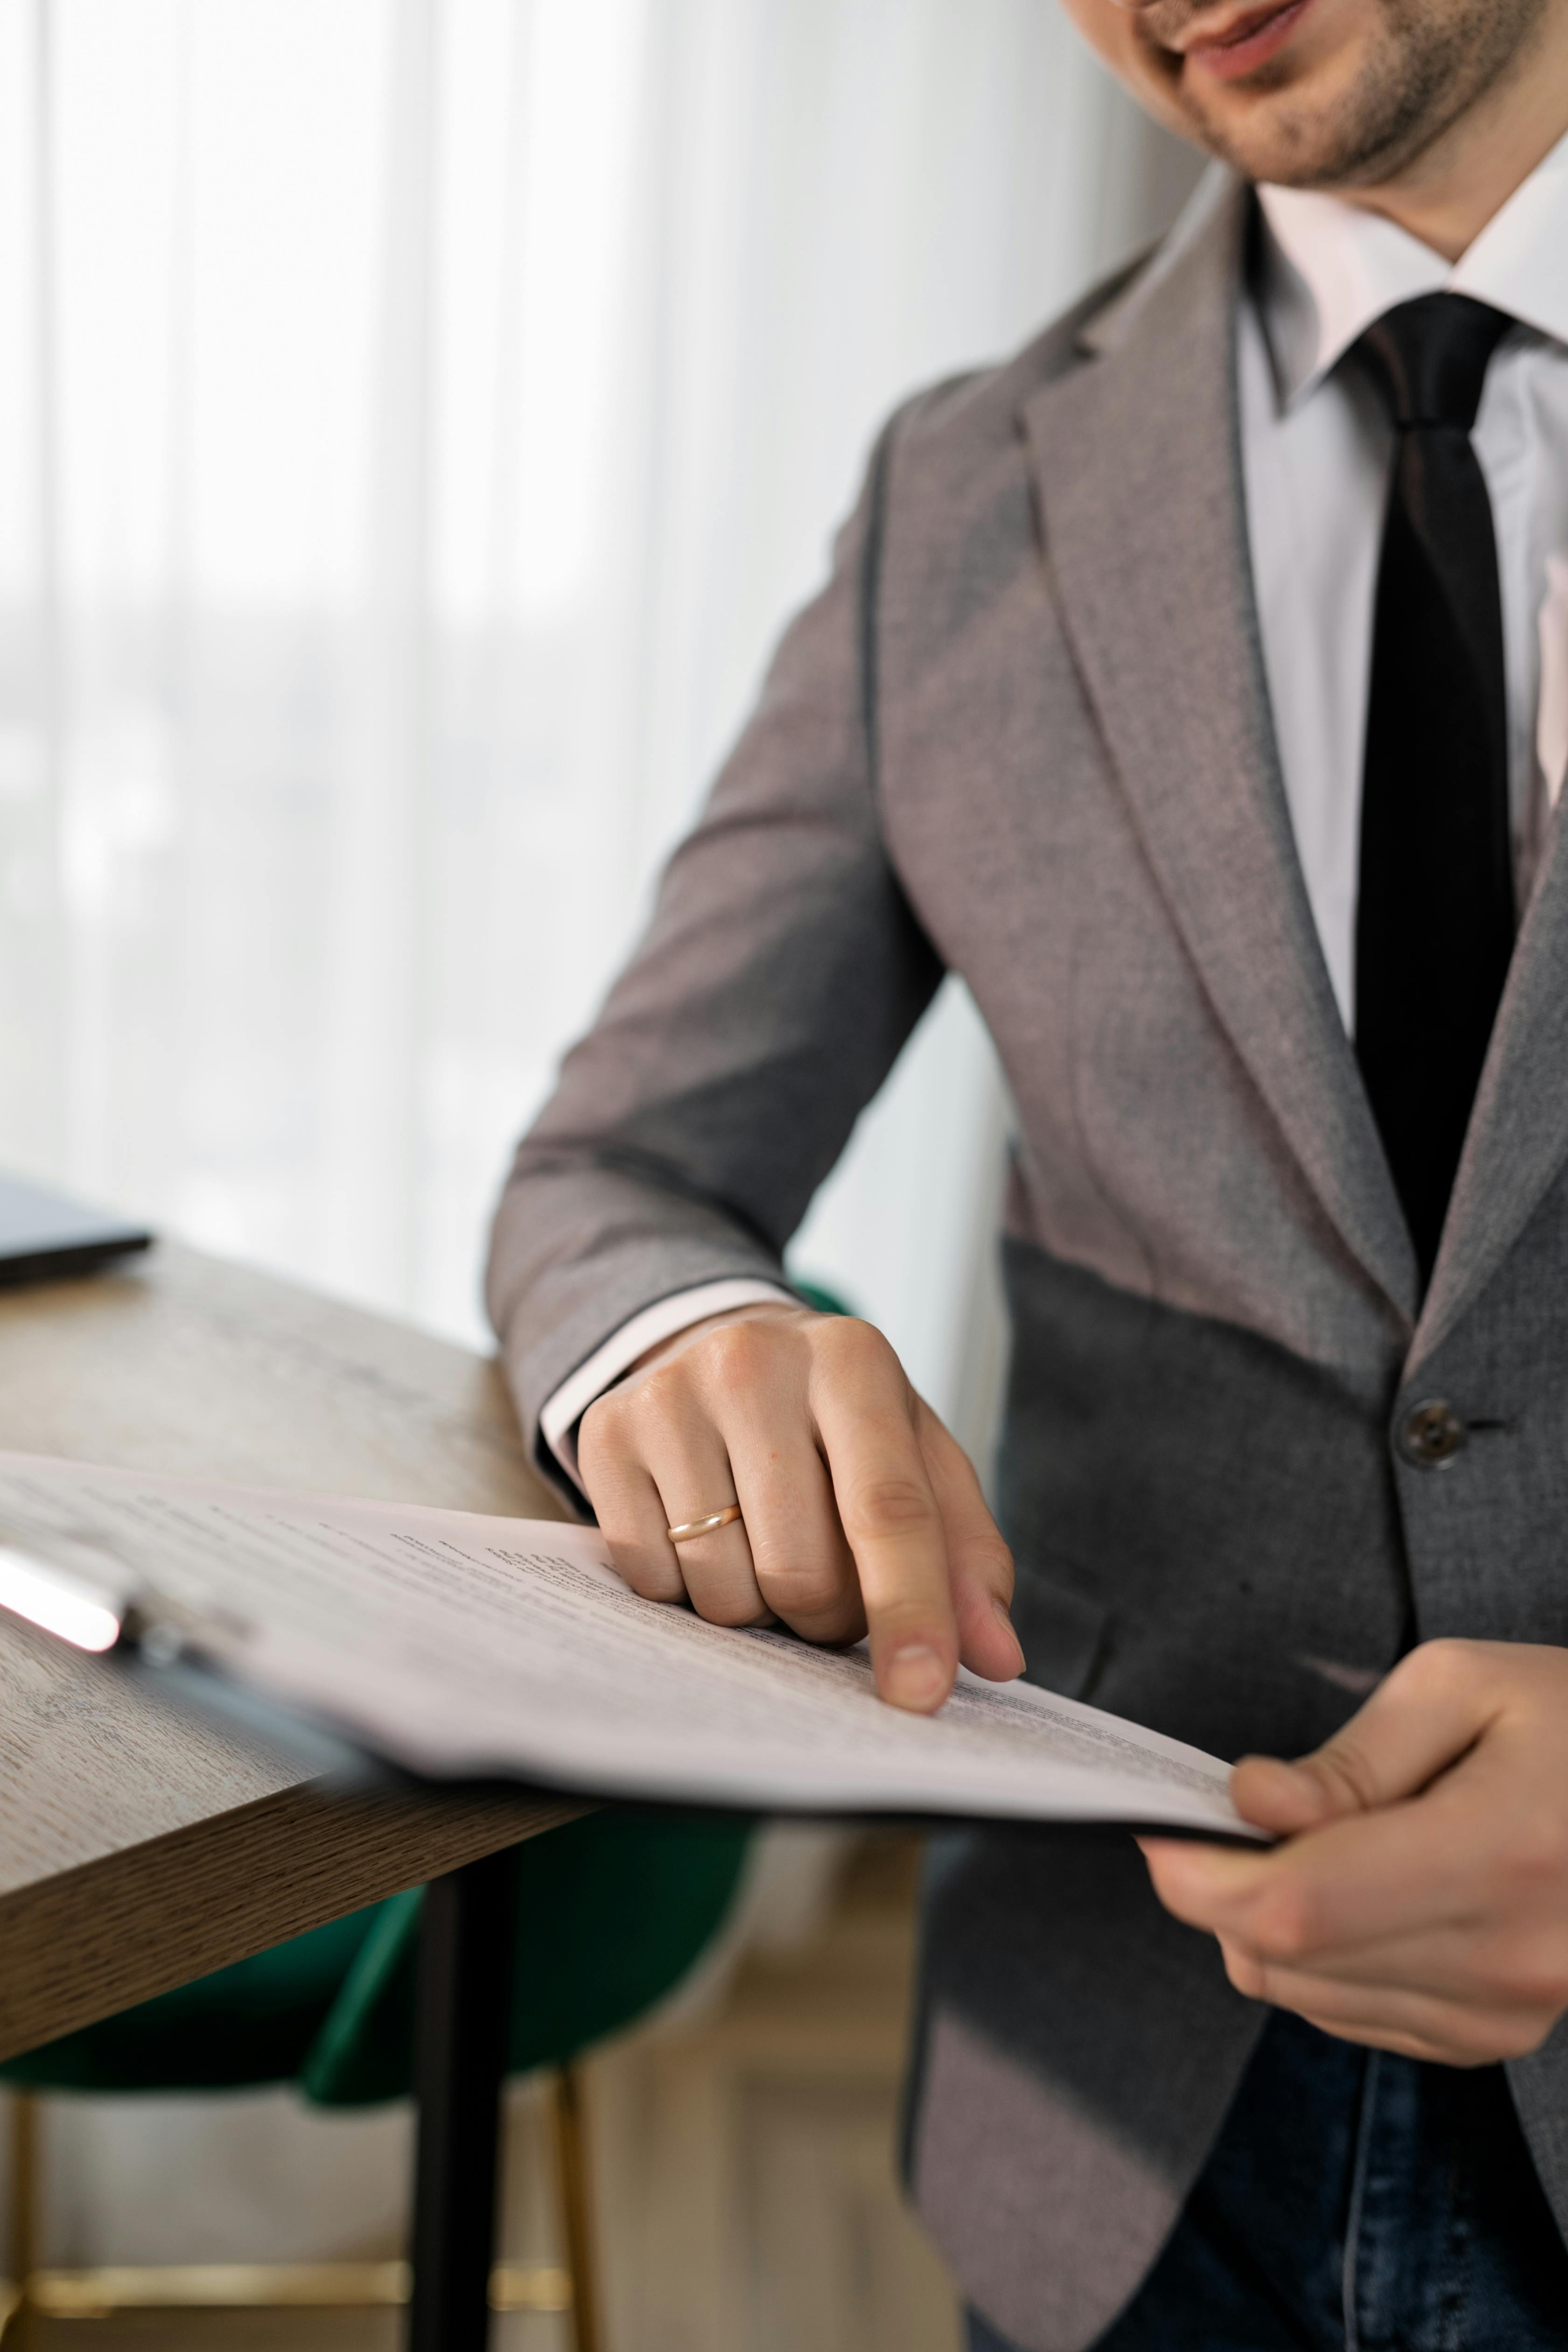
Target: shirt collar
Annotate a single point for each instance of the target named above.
(1329, 269)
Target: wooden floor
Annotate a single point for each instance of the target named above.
(746, 2187)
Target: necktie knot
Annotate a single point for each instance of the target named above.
(1428, 358)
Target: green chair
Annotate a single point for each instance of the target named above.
(631, 1898)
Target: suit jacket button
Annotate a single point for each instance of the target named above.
(1431, 1434)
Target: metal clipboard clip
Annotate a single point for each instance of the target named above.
(70, 1588)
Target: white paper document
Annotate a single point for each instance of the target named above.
(462, 1646)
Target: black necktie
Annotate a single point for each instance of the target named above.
(1435, 913)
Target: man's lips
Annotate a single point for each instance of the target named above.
(1248, 42)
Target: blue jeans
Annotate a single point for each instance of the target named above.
(1355, 2202)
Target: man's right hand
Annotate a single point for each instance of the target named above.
(860, 1512)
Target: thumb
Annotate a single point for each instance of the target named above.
(1424, 1715)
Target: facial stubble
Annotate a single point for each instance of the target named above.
(1426, 64)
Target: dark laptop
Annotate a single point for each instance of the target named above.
(43, 1234)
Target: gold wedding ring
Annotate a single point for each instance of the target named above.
(689, 1529)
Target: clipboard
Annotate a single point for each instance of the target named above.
(382, 1644)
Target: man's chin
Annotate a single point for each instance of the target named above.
(1288, 103)
(1351, 92)
(1294, 132)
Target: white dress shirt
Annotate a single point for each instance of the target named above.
(1315, 454)
(1316, 448)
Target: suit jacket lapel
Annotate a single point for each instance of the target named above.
(1138, 461)
(1519, 1129)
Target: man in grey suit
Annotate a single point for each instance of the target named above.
(1196, 685)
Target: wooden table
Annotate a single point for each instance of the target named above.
(139, 1848)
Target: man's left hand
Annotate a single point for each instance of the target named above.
(1420, 1901)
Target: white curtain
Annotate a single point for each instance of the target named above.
(415, 419)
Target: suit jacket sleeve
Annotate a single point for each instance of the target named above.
(781, 975)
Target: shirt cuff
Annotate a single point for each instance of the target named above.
(562, 1411)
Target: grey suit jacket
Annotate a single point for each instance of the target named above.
(1024, 735)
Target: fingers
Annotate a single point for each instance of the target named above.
(1368, 1852)
(980, 1566)
(1331, 1890)
(692, 1476)
(1384, 1921)
(1409, 2019)
(653, 1460)
(752, 1399)
(1421, 1887)
(806, 1570)
(631, 1520)
(1421, 1901)
(860, 1512)
(1434, 1706)
(1369, 1855)
(865, 1413)
(1473, 1964)
(1458, 1992)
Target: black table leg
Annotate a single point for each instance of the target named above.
(464, 2009)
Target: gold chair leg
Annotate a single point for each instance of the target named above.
(95, 2292)
(576, 2206)
(98, 2292)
